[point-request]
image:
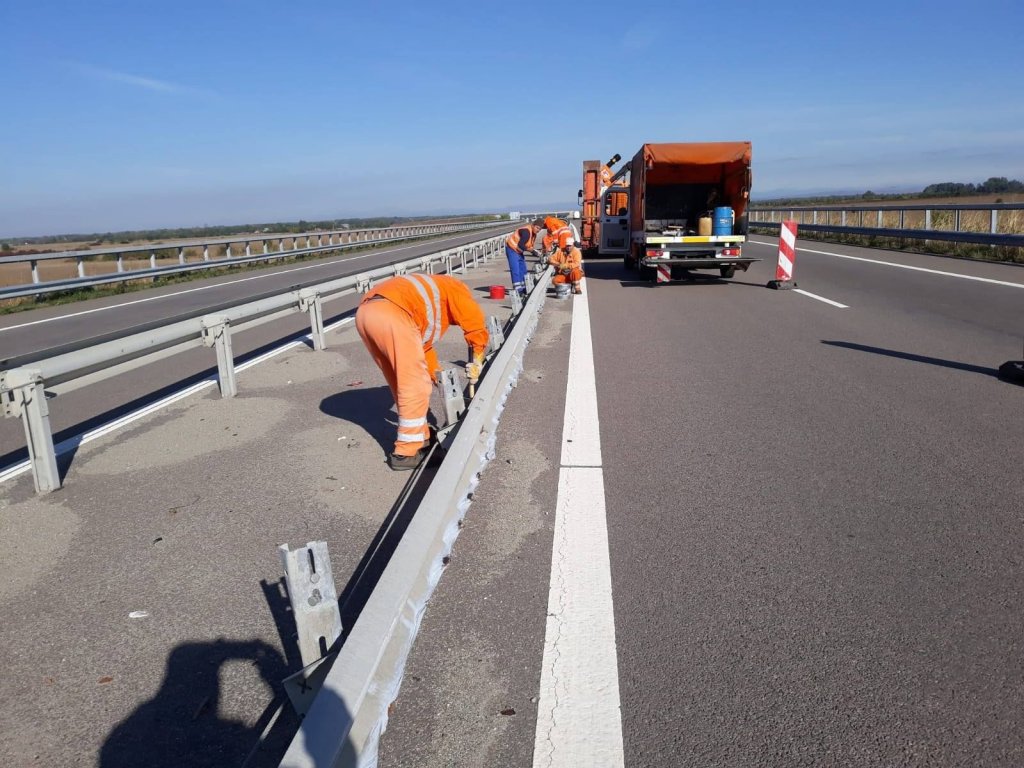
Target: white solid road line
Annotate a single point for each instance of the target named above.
(989, 280)
(802, 292)
(72, 443)
(579, 722)
(205, 288)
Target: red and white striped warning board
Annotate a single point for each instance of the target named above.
(787, 251)
(664, 274)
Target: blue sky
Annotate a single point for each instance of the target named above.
(140, 114)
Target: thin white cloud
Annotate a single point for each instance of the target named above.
(139, 81)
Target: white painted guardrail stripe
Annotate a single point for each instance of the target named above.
(579, 721)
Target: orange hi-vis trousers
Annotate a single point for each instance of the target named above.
(396, 345)
(574, 276)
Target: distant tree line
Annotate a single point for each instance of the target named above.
(994, 185)
(292, 227)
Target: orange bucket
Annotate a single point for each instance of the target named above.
(497, 291)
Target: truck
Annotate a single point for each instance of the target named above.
(651, 214)
(598, 202)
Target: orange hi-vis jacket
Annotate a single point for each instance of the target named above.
(555, 228)
(567, 259)
(436, 302)
(516, 240)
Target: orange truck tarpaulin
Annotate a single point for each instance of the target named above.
(720, 162)
(400, 321)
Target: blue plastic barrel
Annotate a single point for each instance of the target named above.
(721, 222)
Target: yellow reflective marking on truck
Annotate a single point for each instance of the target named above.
(697, 239)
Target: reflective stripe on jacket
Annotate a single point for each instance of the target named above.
(436, 302)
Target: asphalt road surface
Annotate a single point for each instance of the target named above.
(813, 503)
(815, 515)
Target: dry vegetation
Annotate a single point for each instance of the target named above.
(865, 214)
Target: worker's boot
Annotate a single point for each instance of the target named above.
(401, 463)
(576, 288)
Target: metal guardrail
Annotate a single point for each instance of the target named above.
(336, 240)
(344, 724)
(922, 224)
(24, 391)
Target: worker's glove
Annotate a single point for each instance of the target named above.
(531, 253)
(564, 271)
(474, 368)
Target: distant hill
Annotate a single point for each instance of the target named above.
(993, 186)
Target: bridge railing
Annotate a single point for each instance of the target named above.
(993, 224)
(31, 380)
(101, 266)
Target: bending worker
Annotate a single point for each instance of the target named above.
(517, 246)
(556, 228)
(568, 264)
(400, 321)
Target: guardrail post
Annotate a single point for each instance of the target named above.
(902, 217)
(879, 220)
(528, 279)
(181, 255)
(956, 221)
(152, 259)
(206, 253)
(35, 271)
(517, 302)
(451, 395)
(311, 592)
(310, 301)
(81, 267)
(495, 332)
(24, 397)
(217, 333)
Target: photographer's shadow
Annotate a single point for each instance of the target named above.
(369, 408)
(181, 724)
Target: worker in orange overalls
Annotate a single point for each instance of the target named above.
(400, 321)
(568, 264)
(556, 228)
(517, 246)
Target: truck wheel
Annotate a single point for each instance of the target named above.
(628, 262)
(728, 272)
(650, 274)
